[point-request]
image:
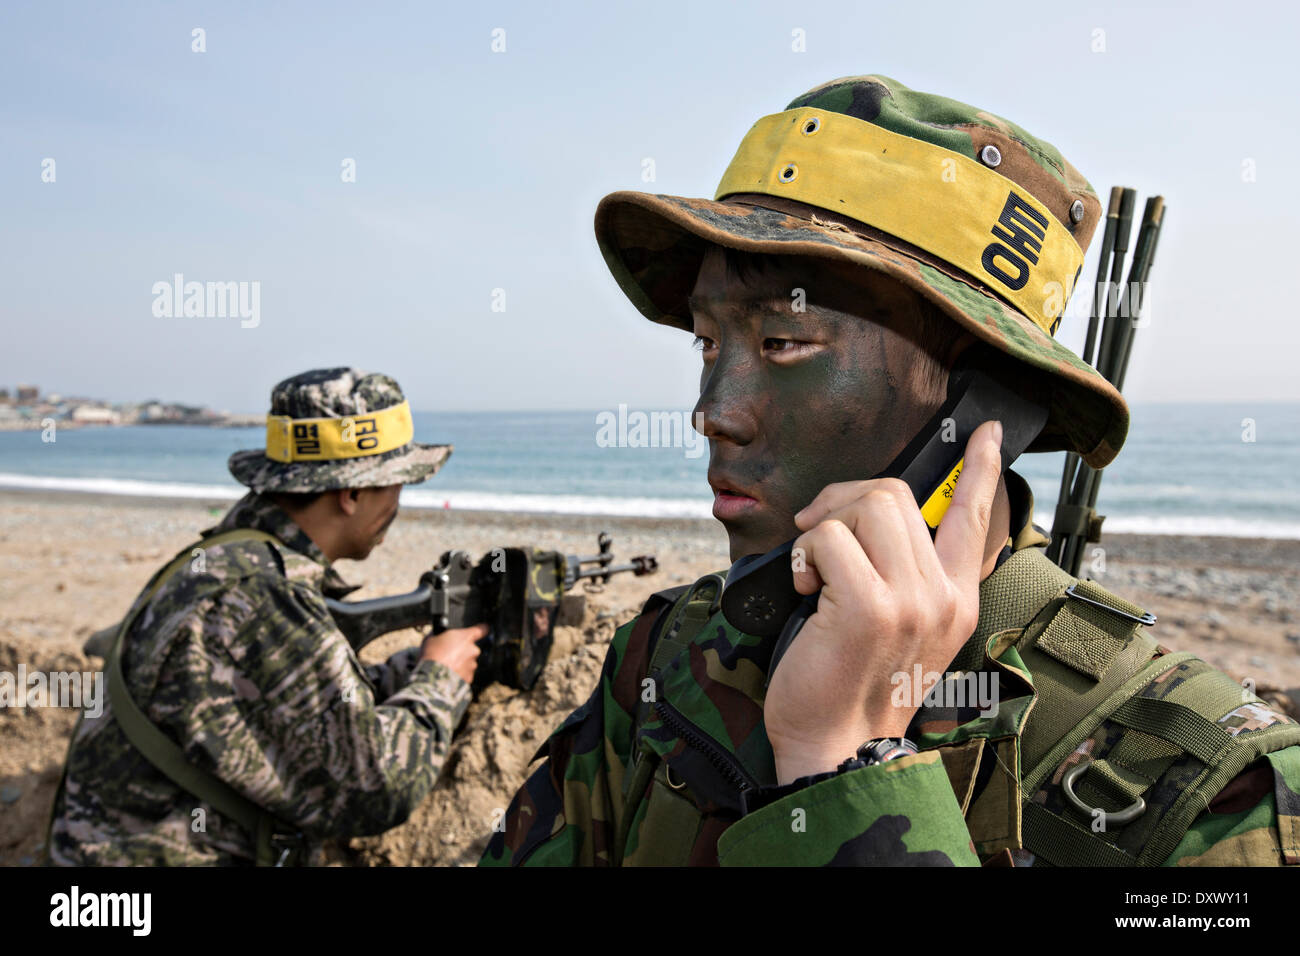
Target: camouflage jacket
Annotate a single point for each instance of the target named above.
(240, 663)
(958, 802)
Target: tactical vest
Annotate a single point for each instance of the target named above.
(1124, 746)
(276, 842)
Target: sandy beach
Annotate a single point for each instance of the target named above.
(71, 564)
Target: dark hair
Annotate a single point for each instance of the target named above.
(292, 501)
(934, 332)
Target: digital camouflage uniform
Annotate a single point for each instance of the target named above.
(670, 764)
(237, 660)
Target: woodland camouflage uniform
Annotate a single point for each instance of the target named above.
(668, 763)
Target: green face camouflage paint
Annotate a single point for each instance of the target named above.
(806, 382)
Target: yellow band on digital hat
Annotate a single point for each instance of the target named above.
(943, 202)
(334, 439)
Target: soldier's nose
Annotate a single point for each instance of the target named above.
(724, 411)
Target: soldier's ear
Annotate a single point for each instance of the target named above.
(348, 499)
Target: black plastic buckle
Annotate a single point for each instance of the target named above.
(288, 844)
(1147, 617)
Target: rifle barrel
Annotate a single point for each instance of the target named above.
(1158, 218)
(1124, 228)
(642, 564)
(1100, 288)
(1103, 269)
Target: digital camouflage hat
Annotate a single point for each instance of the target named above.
(965, 208)
(337, 428)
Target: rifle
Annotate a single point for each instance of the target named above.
(519, 592)
(1076, 521)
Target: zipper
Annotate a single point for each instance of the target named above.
(724, 762)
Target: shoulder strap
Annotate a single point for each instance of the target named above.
(1166, 751)
(682, 613)
(156, 746)
(1159, 766)
(686, 619)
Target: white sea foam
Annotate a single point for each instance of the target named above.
(559, 504)
(1195, 525)
(122, 486)
(411, 497)
(1191, 525)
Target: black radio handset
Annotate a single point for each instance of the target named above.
(759, 597)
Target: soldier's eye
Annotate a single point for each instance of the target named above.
(787, 347)
(702, 344)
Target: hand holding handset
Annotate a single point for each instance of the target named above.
(760, 598)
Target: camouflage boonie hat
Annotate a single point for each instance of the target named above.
(966, 209)
(337, 428)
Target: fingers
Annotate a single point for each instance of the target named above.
(466, 634)
(830, 545)
(471, 662)
(457, 648)
(964, 530)
(884, 517)
(831, 498)
(879, 522)
(464, 661)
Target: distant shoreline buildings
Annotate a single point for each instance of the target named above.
(26, 408)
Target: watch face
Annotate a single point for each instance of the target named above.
(889, 749)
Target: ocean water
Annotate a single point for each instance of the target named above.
(1186, 468)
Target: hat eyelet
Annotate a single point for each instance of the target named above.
(991, 156)
(788, 173)
(811, 125)
(1076, 211)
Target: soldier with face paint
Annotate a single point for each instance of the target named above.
(860, 243)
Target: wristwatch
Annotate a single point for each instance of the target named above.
(878, 751)
(869, 754)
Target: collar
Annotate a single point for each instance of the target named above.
(262, 514)
(1024, 533)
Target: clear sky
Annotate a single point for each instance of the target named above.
(478, 171)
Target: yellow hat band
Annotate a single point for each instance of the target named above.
(334, 439)
(938, 200)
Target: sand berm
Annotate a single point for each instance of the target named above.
(72, 563)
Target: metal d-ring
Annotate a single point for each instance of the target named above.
(1120, 818)
(668, 776)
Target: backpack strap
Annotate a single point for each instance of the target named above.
(681, 614)
(1161, 750)
(161, 751)
(1087, 653)
(689, 615)
(1168, 760)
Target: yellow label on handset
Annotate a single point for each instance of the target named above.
(936, 506)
